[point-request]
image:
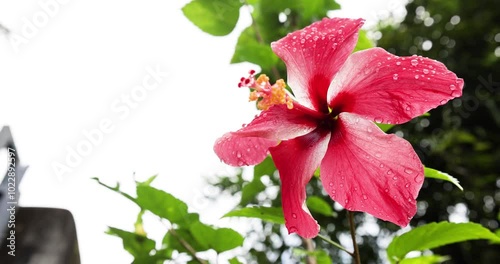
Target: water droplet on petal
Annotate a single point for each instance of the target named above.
(453, 87)
(365, 197)
(294, 216)
(378, 120)
(408, 171)
(394, 178)
(417, 179)
(381, 165)
(398, 63)
(386, 190)
(346, 201)
(425, 71)
(455, 94)
(369, 130)
(330, 184)
(238, 154)
(248, 149)
(395, 76)
(341, 185)
(389, 172)
(408, 108)
(443, 102)
(414, 62)
(378, 155)
(407, 185)
(416, 76)
(292, 229)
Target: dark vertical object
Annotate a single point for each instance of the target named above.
(42, 235)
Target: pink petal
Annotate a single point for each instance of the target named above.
(296, 161)
(389, 89)
(367, 170)
(250, 144)
(313, 56)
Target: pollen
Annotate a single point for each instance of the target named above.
(266, 94)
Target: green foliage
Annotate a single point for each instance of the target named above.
(320, 255)
(216, 17)
(432, 173)
(434, 235)
(431, 259)
(186, 235)
(254, 187)
(318, 205)
(363, 42)
(249, 49)
(269, 214)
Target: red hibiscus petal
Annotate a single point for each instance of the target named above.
(314, 55)
(250, 144)
(367, 170)
(389, 89)
(296, 161)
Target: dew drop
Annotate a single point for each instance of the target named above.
(389, 172)
(386, 190)
(455, 94)
(381, 165)
(302, 41)
(408, 171)
(378, 155)
(369, 130)
(416, 76)
(414, 62)
(238, 154)
(248, 149)
(292, 229)
(346, 201)
(407, 185)
(398, 63)
(330, 184)
(408, 108)
(417, 179)
(425, 71)
(453, 87)
(365, 197)
(378, 120)
(394, 178)
(395, 76)
(339, 31)
(294, 216)
(443, 102)
(341, 185)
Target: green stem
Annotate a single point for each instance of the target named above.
(355, 254)
(335, 244)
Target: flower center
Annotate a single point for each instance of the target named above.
(264, 93)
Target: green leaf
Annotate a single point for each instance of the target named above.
(173, 238)
(137, 245)
(220, 240)
(435, 235)
(385, 127)
(320, 255)
(115, 189)
(432, 173)
(266, 167)
(250, 190)
(318, 205)
(269, 214)
(363, 42)
(216, 17)
(249, 49)
(234, 261)
(148, 181)
(162, 204)
(432, 259)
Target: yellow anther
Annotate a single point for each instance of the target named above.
(266, 94)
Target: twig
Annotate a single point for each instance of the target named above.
(310, 248)
(357, 258)
(335, 244)
(186, 245)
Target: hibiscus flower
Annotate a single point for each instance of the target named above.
(328, 123)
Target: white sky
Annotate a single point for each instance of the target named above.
(70, 73)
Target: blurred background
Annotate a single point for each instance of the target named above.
(73, 73)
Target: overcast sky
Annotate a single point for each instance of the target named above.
(112, 88)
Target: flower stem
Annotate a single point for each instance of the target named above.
(187, 246)
(355, 254)
(335, 244)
